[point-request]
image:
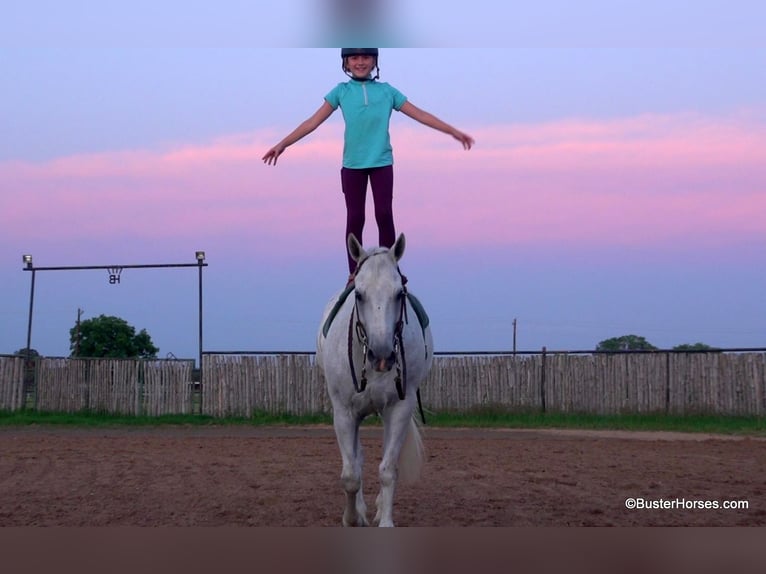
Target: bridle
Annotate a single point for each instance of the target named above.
(361, 334)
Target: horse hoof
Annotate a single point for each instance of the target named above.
(359, 521)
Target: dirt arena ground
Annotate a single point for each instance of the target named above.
(289, 476)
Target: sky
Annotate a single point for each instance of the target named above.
(617, 185)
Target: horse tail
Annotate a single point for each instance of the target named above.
(412, 455)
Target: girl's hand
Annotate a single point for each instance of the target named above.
(271, 156)
(464, 139)
(304, 129)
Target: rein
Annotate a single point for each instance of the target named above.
(357, 387)
(401, 365)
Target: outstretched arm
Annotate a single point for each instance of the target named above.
(304, 129)
(432, 121)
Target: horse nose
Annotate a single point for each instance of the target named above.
(381, 365)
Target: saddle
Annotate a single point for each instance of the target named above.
(417, 306)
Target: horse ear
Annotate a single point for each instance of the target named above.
(354, 247)
(398, 247)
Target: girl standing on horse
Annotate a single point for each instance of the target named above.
(366, 105)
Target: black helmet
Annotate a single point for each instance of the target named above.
(346, 52)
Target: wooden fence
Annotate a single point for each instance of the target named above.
(11, 383)
(604, 383)
(613, 383)
(239, 384)
(114, 386)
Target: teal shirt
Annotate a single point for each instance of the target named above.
(366, 108)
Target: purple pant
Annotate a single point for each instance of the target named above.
(354, 182)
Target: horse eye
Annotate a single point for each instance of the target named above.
(359, 296)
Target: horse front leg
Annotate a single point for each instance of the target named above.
(396, 425)
(349, 442)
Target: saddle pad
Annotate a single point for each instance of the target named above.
(420, 311)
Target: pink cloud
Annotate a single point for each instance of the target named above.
(640, 181)
(637, 181)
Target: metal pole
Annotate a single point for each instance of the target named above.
(25, 384)
(31, 308)
(200, 329)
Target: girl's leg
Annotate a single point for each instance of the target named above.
(382, 183)
(354, 185)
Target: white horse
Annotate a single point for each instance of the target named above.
(374, 354)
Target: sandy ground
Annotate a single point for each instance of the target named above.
(289, 476)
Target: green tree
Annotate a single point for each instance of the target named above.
(23, 352)
(694, 347)
(106, 336)
(625, 343)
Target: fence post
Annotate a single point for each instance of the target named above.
(542, 381)
(140, 407)
(667, 383)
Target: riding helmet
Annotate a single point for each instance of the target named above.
(346, 52)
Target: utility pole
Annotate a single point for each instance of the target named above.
(77, 333)
(514, 335)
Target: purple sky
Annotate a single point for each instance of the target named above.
(611, 191)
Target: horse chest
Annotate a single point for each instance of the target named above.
(379, 394)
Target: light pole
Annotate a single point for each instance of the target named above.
(200, 255)
(29, 266)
